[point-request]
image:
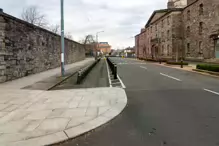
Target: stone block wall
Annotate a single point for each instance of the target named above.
(201, 45)
(166, 34)
(190, 1)
(177, 35)
(27, 49)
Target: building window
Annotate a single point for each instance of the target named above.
(168, 20)
(168, 49)
(188, 15)
(200, 47)
(162, 51)
(188, 31)
(188, 47)
(200, 27)
(162, 36)
(168, 34)
(201, 9)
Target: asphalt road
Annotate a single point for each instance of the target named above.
(166, 107)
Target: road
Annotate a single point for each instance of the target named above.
(166, 107)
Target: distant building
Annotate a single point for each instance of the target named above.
(104, 47)
(129, 52)
(187, 29)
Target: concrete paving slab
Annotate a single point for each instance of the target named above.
(54, 124)
(48, 119)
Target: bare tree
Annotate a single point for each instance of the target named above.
(89, 44)
(34, 16)
(68, 35)
(54, 28)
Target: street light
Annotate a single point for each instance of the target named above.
(97, 42)
(62, 40)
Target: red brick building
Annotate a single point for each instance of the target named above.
(104, 47)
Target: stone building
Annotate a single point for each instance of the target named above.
(186, 29)
(201, 30)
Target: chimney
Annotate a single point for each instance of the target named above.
(170, 4)
(1, 10)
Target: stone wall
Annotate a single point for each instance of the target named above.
(177, 35)
(200, 46)
(27, 49)
(140, 41)
(162, 37)
(190, 1)
(186, 40)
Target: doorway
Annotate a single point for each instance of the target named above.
(217, 48)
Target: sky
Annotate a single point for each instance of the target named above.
(120, 20)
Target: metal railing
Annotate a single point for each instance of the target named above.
(83, 72)
(113, 67)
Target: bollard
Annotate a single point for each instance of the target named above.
(160, 61)
(181, 63)
(115, 71)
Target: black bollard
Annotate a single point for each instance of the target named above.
(115, 71)
(181, 63)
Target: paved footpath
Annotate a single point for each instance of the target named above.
(37, 117)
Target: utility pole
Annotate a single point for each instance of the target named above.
(97, 47)
(62, 40)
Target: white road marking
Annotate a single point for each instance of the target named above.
(170, 77)
(108, 74)
(211, 91)
(143, 67)
(123, 86)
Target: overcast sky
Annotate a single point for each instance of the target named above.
(119, 19)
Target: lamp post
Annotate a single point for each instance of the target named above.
(62, 40)
(97, 47)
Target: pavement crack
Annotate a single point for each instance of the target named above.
(66, 134)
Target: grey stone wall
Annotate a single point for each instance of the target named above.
(210, 20)
(155, 39)
(26, 49)
(177, 35)
(190, 1)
